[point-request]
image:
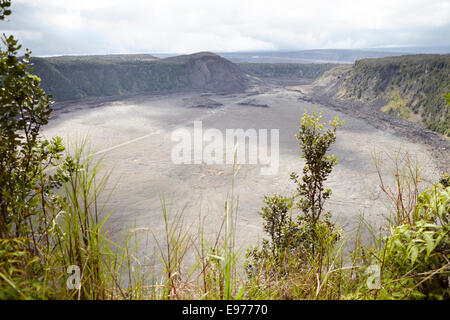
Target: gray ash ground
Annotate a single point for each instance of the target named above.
(135, 137)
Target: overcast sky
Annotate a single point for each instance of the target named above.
(54, 27)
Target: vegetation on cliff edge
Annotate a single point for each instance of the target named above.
(413, 86)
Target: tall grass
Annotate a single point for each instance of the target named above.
(190, 265)
(70, 231)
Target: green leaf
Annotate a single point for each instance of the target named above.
(414, 254)
(429, 240)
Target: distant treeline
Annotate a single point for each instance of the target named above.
(286, 70)
(413, 86)
(70, 79)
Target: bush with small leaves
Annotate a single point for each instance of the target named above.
(302, 233)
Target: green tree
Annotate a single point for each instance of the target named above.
(315, 145)
(24, 156)
(308, 231)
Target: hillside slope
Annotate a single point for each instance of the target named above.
(70, 78)
(412, 87)
(332, 89)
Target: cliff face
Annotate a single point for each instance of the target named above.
(412, 87)
(69, 78)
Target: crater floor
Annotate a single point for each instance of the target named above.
(134, 136)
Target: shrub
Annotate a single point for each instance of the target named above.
(302, 237)
(413, 258)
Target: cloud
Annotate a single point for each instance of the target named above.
(50, 27)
